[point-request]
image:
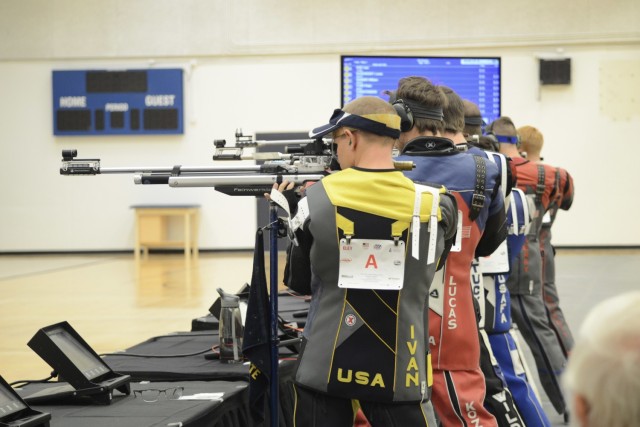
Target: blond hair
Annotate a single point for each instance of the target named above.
(531, 140)
(368, 105)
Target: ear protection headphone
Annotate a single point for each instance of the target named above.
(497, 139)
(409, 110)
(491, 137)
(494, 141)
(406, 115)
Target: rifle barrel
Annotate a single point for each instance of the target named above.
(256, 179)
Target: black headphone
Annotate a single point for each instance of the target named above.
(497, 139)
(492, 137)
(406, 115)
(409, 110)
(493, 140)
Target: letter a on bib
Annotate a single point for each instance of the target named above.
(371, 262)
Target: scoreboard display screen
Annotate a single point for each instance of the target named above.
(474, 78)
(127, 102)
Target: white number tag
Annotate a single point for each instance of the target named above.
(371, 264)
(457, 245)
(497, 262)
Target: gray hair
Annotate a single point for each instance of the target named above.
(604, 366)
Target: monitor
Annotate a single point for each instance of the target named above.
(9, 403)
(14, 411)
(77, 364)
(87, 363)
(477, 79)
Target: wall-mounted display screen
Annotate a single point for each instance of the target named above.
(127, 102)
(474, 78)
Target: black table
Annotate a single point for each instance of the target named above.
(182, 356)
(130, 411)
(177, 356)
(180, 359)
(183, 364)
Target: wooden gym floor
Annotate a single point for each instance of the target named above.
(114, 302)
(110, 300)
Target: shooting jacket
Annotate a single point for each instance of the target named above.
(475, 183)
(538, 181)
(364, 343)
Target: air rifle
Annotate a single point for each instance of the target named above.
(304, 163)
(308, 161)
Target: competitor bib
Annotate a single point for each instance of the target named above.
(497, 262)
(371, 264)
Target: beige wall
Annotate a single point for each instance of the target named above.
(37, 29)
(274, 66)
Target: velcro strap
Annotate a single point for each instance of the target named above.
(433, 222)
(526, 216)
(301, 215)
(478, 199)
(298, 220)
(515, 229)
(503, 175)
(503, 172)
(540, 186)
(556, 186)
(527, 212)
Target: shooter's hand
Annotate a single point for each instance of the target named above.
(282, 187)
(288, 191)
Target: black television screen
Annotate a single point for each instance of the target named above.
(474, 78)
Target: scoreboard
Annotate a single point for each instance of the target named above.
(127, 102)
(477, 79)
